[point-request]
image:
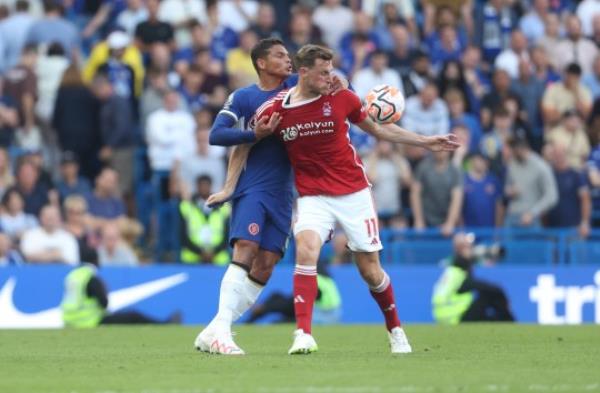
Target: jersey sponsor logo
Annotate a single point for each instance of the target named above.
(253, 229)
(289, 134)
(327, 109)
(310, 128)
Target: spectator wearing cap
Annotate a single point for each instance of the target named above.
(377, 73)
(117, 131)
(70, 182)
(482, 206)
(14, 30)
(530, 186)
(53, 27)
(49, 243)
(575, 48)
(574, 206)
(133, 15)
(570, 139)
(569, 94)
(75, 120)
(153, 30)
(116, 53)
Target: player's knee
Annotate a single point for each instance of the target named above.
(307, 252)
(372, 275)
(262, 268)
(244, 251)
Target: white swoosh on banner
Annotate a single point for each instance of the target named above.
(11, 317)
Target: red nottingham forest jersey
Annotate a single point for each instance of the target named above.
(315, 135)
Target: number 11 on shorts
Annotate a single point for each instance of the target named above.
(371, 227)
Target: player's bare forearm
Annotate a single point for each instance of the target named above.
(392, 133)
(237, 161)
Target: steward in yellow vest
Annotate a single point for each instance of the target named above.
(204, 231)
(460, 297)
(85, 302)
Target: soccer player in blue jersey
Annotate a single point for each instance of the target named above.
(262, 197)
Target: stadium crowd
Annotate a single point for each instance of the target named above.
(106, 108)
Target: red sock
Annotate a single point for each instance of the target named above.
(384, 296)
(305, 293)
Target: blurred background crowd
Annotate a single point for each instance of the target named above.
(106, 108)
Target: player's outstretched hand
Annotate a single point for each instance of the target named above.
(266, 125)
(218, 198)
(338, 84)
(448, 142)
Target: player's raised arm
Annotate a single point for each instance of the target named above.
(393, 133)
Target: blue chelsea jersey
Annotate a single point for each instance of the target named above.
(268, 167)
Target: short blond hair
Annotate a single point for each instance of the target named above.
(75, 202)
(308, 54)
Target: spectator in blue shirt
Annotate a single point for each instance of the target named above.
(70, 182)
(105, 203)
(54, 28)
(482, 205)
(574, 206)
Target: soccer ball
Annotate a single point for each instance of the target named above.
(385, 104)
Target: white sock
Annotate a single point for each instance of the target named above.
(251, 291)
(232, 291)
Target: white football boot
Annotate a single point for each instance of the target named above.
(304, 344)
(399, 341)
(217, 343)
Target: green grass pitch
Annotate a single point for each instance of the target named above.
(352, 358)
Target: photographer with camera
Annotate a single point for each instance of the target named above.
(460, 297)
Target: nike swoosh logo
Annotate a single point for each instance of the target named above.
(11, 317)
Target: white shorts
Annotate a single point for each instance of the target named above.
(355, 212)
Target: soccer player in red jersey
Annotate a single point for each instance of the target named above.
(333, 186)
